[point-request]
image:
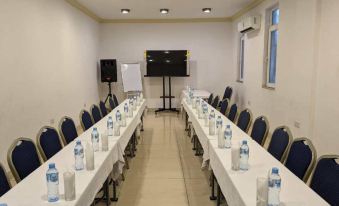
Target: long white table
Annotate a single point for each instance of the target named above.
(238, 187)
(32, 190)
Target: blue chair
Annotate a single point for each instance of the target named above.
(325, 179)
(4, 181)
(232, 115)
(224, 106)
(111, 103)
(260, 130)
(280, 141)
(215, 102)
(244, 120)
(301, 158)
(96, 114)
(85, 120)
(116, 102)
(227, 94)
(103, 108)
(210, 99)
(23, 158)
(67, 130)
(48, 142)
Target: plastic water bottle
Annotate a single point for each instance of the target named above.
(228, 136)
(52, 176)
(212, 123)
(118, 116)
(244, 155)
(219, 123)
(79, 155)
(130, 114)
(126, 109)
(205, 113)
(274, 186)
(95, 139)
(110, 126)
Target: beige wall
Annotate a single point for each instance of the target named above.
(304, 87)
(48, 53)
(210, 45)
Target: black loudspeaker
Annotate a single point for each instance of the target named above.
(108, 70)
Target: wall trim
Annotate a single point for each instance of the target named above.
(98, 19)
(249, 7)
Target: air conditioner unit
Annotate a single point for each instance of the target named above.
(249, 24)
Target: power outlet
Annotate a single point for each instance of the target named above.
(51, 121)
(297, 124)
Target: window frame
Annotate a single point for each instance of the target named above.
(241, 67)
(271, 27)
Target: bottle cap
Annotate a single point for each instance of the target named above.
(117, 110)
(94, 128)
(219, 116)
(51, 165)
(244, 142)
(228, 126)
(78, 142)
(275, 170)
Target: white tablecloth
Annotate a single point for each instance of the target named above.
(32, 190)
(239, 187)
(196, 93)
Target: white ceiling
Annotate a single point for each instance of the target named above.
(149, 9)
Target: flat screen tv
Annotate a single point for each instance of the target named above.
(167, 63)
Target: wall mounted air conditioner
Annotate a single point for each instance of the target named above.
(249, 24)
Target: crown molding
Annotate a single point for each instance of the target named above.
(246, 9)
(98, 19)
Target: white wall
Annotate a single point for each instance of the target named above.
(304, 87)
(210, 45)
(48, 54)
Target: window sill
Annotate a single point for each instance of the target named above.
(268, 87)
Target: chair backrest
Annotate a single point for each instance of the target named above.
(215, 102)
(115, 99)
(85, 120)
(228, 93)
(224, 106)
(22, 158)
(301, 158)
(111, 103)
(325, 179)
(103, 108)
(48, 142)
(260, 130)
(245, 120)
(280, 141)
(67, 129)
(4, 181)
(232, 115)
(96, 114)
(210, 99)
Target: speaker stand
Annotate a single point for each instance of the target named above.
(109, 95)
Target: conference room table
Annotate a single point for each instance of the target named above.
(239, 187)
(33, 189)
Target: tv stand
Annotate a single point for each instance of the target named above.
(164, 97)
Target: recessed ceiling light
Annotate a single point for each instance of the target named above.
(207, 10)
(125, 11)
(164, 11)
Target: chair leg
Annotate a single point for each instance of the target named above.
(218, 195)
(114, 198)
(212, 197)
(126, 162)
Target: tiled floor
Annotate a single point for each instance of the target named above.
(165, 170)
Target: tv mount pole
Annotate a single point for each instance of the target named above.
(164, 97)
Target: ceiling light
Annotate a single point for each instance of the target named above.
(207, 10)
(125, 11)
(164, 11)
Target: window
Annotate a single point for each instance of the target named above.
(241, 59)
(273, 35)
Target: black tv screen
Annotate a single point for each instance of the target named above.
(167, 62)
